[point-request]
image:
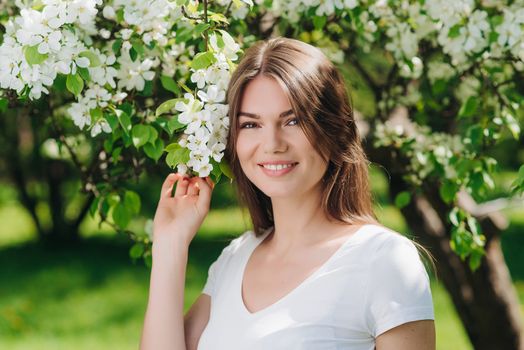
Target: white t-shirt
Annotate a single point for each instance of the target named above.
(375, 281)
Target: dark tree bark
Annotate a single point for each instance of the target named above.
(21, 140)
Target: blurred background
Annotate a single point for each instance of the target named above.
(67, 282)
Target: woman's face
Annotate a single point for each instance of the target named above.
(272, 149)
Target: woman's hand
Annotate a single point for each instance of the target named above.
(179, 217)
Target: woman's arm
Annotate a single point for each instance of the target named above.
(177, 219)
(164, 320)
(416, 335)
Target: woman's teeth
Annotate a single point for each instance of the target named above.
(278, 166)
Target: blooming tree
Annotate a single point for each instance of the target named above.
(139, 81)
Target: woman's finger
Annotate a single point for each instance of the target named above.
(210, 182)
(204, 197)
(181, 188)
(167, 186)
(193, 188)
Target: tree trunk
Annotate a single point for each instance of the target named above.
(485, 300)
(25, 163)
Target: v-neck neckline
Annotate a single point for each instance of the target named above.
(353, 238)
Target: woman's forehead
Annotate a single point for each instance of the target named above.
(264, 96)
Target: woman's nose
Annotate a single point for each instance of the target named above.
(274, 141)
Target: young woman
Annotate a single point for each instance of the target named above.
(317, 271)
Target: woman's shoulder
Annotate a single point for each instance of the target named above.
(378, 237)
(392, 252)
(240, 242)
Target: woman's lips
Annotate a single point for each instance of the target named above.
(278, 172)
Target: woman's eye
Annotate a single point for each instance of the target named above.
(292, 122)
(252, 125)
(248, 125)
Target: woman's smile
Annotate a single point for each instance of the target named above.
(275, 169)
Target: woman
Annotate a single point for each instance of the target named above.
(317, 271)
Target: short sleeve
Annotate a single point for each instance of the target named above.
(398, 289)
(214, 271)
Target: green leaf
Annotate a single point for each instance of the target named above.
(469, 108)
(219, 18)
(116, 153)
(74, 84)
(132, 202)
(93, 208)
(113, 199)
(167, 106)
(32, 55)
(112, 120)
(140, 135)
(136, 250)
(117, 45)
(104, 209)
(476, 134)
(154, 151)
(183, 34)
(162, 122)
(174, 124)
(96, 113)
(133, 54)
(517, 186)
(84, 73)
(138, 45)
(180, 155)
(203, 60)
(201, 27)
(153, 134)
(121, 215)
(120, 15)
(402, 199)
(124, 120)
(92, 57)
(169, 84)
(172, 147)
(4, 103)
(226, 169)
(60, 83)
(474, 260)
(319, 22)
(447, 191)
(454, 31)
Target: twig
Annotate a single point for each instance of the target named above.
(188, 16)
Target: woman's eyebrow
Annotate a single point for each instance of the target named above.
(256, 116)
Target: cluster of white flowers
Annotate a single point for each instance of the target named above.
(95, 97)
(459, 27)
(41, 35)
(60, 36)
(151, 19)
(205, 115)
(457, 39)
(510, 31)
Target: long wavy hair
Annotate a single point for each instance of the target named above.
(318, 98)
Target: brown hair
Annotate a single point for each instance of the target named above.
(318, 97)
